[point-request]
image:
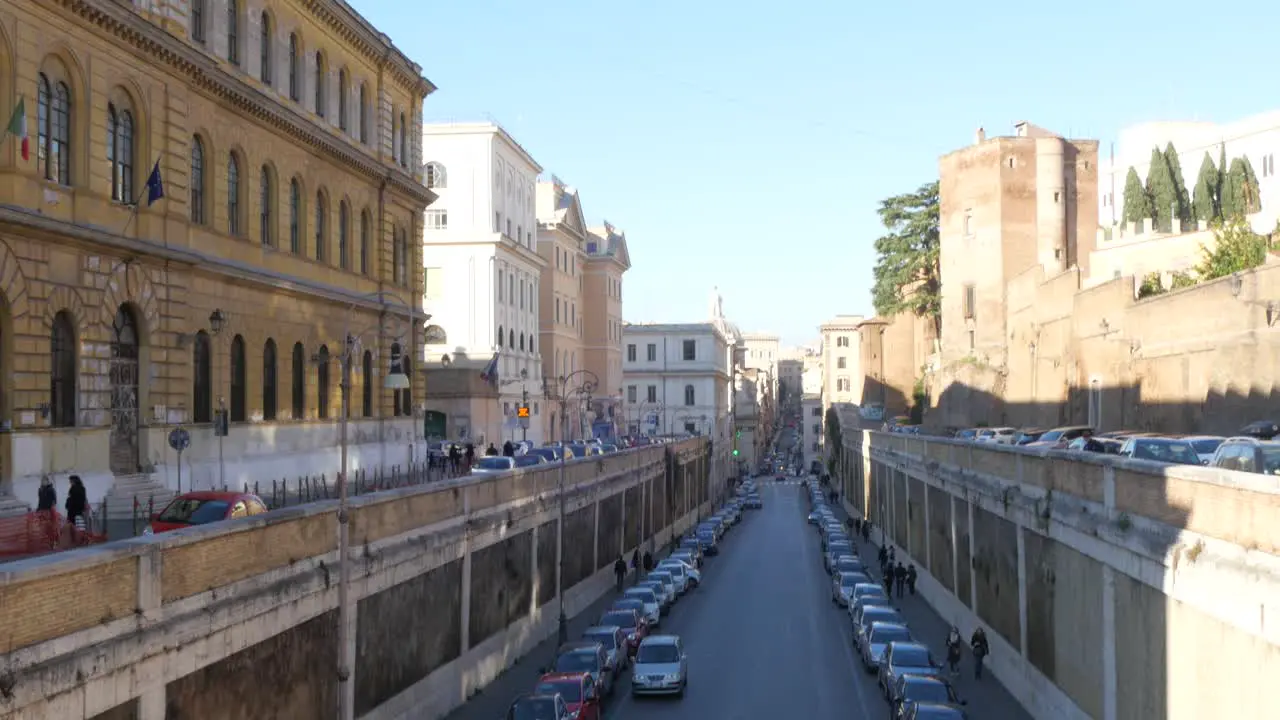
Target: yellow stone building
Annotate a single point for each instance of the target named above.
(286, 134)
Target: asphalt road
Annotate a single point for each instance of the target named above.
(763, 638)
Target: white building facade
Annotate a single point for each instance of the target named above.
(676, 377)
(812, 415)
(482, 273)
(1256, 138)
(842, 375)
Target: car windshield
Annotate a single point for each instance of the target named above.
(658, 653)
(1206, 446)
(543, 708)
(1166, 452)
(874, 615)
(194, 511)
(1052, 435)
(930, 692)
(570, 690)
(576, 662)
(889, 634)
(911, 657)
(1271, 460)
(494, 463)
(607, 638)
(644, 595)
(624, 620)
(848, 580)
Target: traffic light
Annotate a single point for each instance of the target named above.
(523, 412)
(735, 452)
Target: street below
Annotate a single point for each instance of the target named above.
(763, 638)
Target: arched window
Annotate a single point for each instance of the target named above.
(367, 385)
(322, 227)
(364, 114)
(521, 342)
(53, 130)
(406, 395)
(395, 142)
(299, 381)
(233, 32)
(295, 69)
(295, 217)
(344, 232)
(501, 336)
(689, 398)
(238, 400)
(202, 379)
(322, 382)
(343, 88)
(233, 195)
(395, 394)
(266, 228)
(270, 381)
(511, 339)
(404, 142)
(197, 180)
(436, 177)
(62, 371)
(365, 224)
(264, 49)
(322, 97)
(120, 153)
(530, 342)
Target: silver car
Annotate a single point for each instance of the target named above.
(668, 580)
(843, 584)
(661, 667)
(652, 603)
(659, 588)
(881, 634)
(676, 569)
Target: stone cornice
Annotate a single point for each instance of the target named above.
(206, 75)
(375, 45)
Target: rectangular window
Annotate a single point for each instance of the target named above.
(433, 283)
(631, 394)
(972, 341)
(437, 219)
(652, 394)
(497, 222)
(651, 353)
(501, 294)
(690, 350)
(840, 363)
(968, 223)
(817, 412)
(970, 302)
(631, 355)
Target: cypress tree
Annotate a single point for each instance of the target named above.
(1163, 194)
(1205, 197)
(1179, 183)
(1252, 196)
(1137, 206)
(1233, 191)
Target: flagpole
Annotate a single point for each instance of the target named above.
(155, 191)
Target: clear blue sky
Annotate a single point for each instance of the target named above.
(746, 144)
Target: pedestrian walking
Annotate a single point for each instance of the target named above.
(635, 563)
(648, 562)
(953, 650)
(47, 498)
(508, 449)
(77, 507)
(911, 578)
(978, 643)
(620, 570)
(455, 457)
(900, 578)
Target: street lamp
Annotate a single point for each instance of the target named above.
(218, 321)
(562, 622)
(395, 380)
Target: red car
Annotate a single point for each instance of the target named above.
(632, 624)
(204, 507)
(577, 690)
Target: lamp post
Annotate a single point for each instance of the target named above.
(562, 622)
(218, 321)
(395, 380)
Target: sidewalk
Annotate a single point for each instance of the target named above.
(987, 697)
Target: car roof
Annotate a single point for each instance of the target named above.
(553, 677)
(661, 640)
(576, 645)
(851, 574)
(912, 644)
(214, 495)
(922, 679)
(885, 625)
(611, 629)
(534, 696)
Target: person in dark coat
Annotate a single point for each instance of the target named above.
(900, 577)
(77, 504)
(47, 500)
(455, 457)
(635, 562)
(648, 561)
(491, 451)
(620, 571)
(508, 450)
(912, 575)
(470, 456)
(978, 643)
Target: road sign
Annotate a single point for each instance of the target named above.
(523, 412)
(179, 439)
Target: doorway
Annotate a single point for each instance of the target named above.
(125, 347)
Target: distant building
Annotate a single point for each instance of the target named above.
(483, 276)
(676, 377)
(841, 361)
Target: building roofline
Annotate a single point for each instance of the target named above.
(481, 128)
(373, 36)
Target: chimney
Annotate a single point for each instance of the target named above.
(981, 137)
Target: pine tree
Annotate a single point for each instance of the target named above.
(1205, 197)
(1161, 190)
(1179, 183)
(1137, 205)
(907, 274)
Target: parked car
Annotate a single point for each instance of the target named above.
(577, 689)
(492, 464)
(202, 507)
(661, 667)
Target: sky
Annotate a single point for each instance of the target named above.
(745, 146)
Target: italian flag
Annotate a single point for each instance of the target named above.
(18, 127)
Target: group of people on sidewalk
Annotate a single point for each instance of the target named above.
(76, 506)
(638, 562)
(897, 576)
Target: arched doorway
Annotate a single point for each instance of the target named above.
(125, 345)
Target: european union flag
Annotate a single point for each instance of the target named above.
(155, 185)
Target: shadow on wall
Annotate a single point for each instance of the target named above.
(1106, 408)
(968, 537)
(894, 400)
